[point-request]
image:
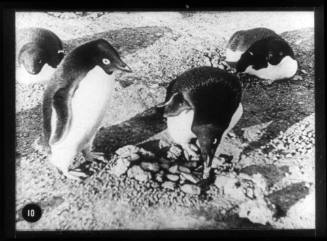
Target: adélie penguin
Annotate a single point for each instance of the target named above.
(38, 53)
(202, 104)
(75, 102)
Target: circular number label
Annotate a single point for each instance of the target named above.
(31, 212)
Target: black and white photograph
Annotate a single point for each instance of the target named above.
(165, 120)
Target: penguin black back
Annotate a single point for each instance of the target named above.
(243, 39)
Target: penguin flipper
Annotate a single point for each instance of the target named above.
(61, 104)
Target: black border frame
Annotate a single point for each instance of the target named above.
(8, 99)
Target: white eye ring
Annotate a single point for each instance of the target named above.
(106, 61)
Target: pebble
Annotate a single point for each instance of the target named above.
(138, 173)
(150, 166)
(191, 164)
(174, 152)
(184, 169)
(120, 167)
(164, 166)
(134, 157)
(190, 177)
(297, 77)
(173, 169)
(169, 185)
(191, 189)
(172, 177)
(159, 177)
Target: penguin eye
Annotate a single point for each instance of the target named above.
(105, 61)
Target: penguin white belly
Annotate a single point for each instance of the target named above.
(23, 77)
(88, 109)
(233, 56)
(179, 127)
(285, 69)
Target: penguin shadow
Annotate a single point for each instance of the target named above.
(124, 40)
(134, 131)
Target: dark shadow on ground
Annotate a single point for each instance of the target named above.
(125, 40)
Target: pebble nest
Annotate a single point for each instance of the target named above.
(263, 180)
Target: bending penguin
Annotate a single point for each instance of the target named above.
(38, 53)
(203, 103)
(262, 53)
(75, 101)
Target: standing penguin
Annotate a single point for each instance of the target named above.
(38, 52)
(203, 103)
(242, 40)
(75, 101)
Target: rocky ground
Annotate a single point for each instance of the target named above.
(264, 179)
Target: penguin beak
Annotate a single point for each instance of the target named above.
(124, 67)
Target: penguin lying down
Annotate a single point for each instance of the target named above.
(203, 103)
(262, 53)
(75, 101)
(38, 52)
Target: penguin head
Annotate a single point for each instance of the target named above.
(32, 58)
(175, 105)
(108, 58)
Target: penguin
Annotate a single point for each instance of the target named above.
(75, 101)
(270, 58)
(38, 53)
(202, 104)
(242, 40)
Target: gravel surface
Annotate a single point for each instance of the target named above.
(265, 177)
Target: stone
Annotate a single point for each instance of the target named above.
(150, 166)
(172, 177)
(139, 174)
(173, 169)
(230, 186)
(191, 164)
(168, 185)
(191, 189)
(126, 151)
(159, 177)
(134, 157)
(174, 152)
(190, 177)
(120, 167)
(164, 166)
(297, 77)
(184, 169)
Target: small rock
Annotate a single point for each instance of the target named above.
(134, 157)
(164, 166)
(190, 177)
(174, 152)
(138, 173)
(191, 189)
(173, 169)
(150, 166)
(172, 177)
(169, 185)
(231, 134)
(191, 164)
(159, 177)
(303, 71)
(297, 77)
(184, 169)
(120, 167)
(126, 151)
(220, 66)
